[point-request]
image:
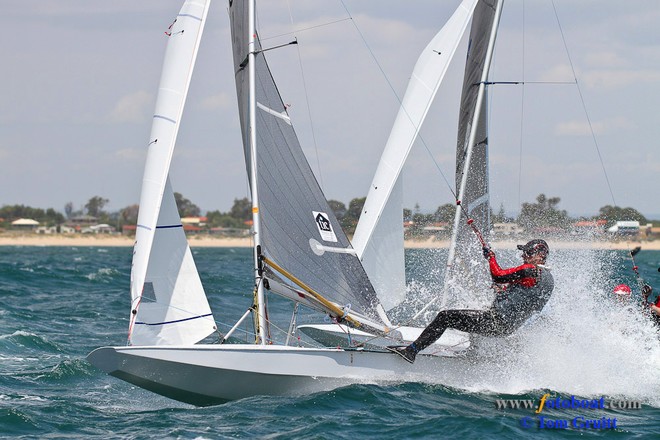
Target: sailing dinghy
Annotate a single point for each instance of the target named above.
(300, 253)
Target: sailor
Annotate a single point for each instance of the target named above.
(520, 292)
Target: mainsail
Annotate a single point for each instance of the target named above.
(298, 230)
(465, 260)
(378, 237)
(168, 301)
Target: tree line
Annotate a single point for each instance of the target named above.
(544, 213)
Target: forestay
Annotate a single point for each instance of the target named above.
(378, 238)
(298, 230)
(168, 305)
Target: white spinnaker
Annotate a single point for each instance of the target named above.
(378, 238)
(183, 43)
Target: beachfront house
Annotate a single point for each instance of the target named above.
(25, 224)
(589, 227)
(59, 229)
(624, 228)
(102, 228)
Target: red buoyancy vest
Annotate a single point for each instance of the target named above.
(525, 275)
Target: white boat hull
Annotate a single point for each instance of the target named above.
(210, 374)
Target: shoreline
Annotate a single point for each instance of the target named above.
(206, 241)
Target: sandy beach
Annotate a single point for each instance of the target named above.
(207, 241)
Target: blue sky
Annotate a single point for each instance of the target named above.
(80, 78)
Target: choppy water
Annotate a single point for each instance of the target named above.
(58, 304)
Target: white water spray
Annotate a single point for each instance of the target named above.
(584, 343)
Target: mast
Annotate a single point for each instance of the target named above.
(473, 134)
(252, 104)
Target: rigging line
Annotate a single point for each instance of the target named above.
(549, 82)
(304, 29)
(398, 98)
(309, 109)
(584, 106)
(523, 82)
(246, 333)
(300, 340)
(522, 111)
(279, 46)
(391, 335)
(293, 323)
(240, 330)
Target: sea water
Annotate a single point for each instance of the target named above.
(59, 303)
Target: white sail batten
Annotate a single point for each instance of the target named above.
(378, 238)
(163, 270)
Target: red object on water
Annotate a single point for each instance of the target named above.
(622, 289)
(470, 221)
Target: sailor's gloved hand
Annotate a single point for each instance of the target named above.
(487, 252)
(646, 290)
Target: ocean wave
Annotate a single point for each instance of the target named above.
(22, 340)
(67, 369)
(38, 371)
(102, 274)
(15, 421)
(26, 397)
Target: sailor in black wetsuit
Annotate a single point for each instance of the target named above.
(521, 291)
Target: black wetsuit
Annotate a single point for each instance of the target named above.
(524, 290)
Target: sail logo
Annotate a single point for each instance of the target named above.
(324, 226)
